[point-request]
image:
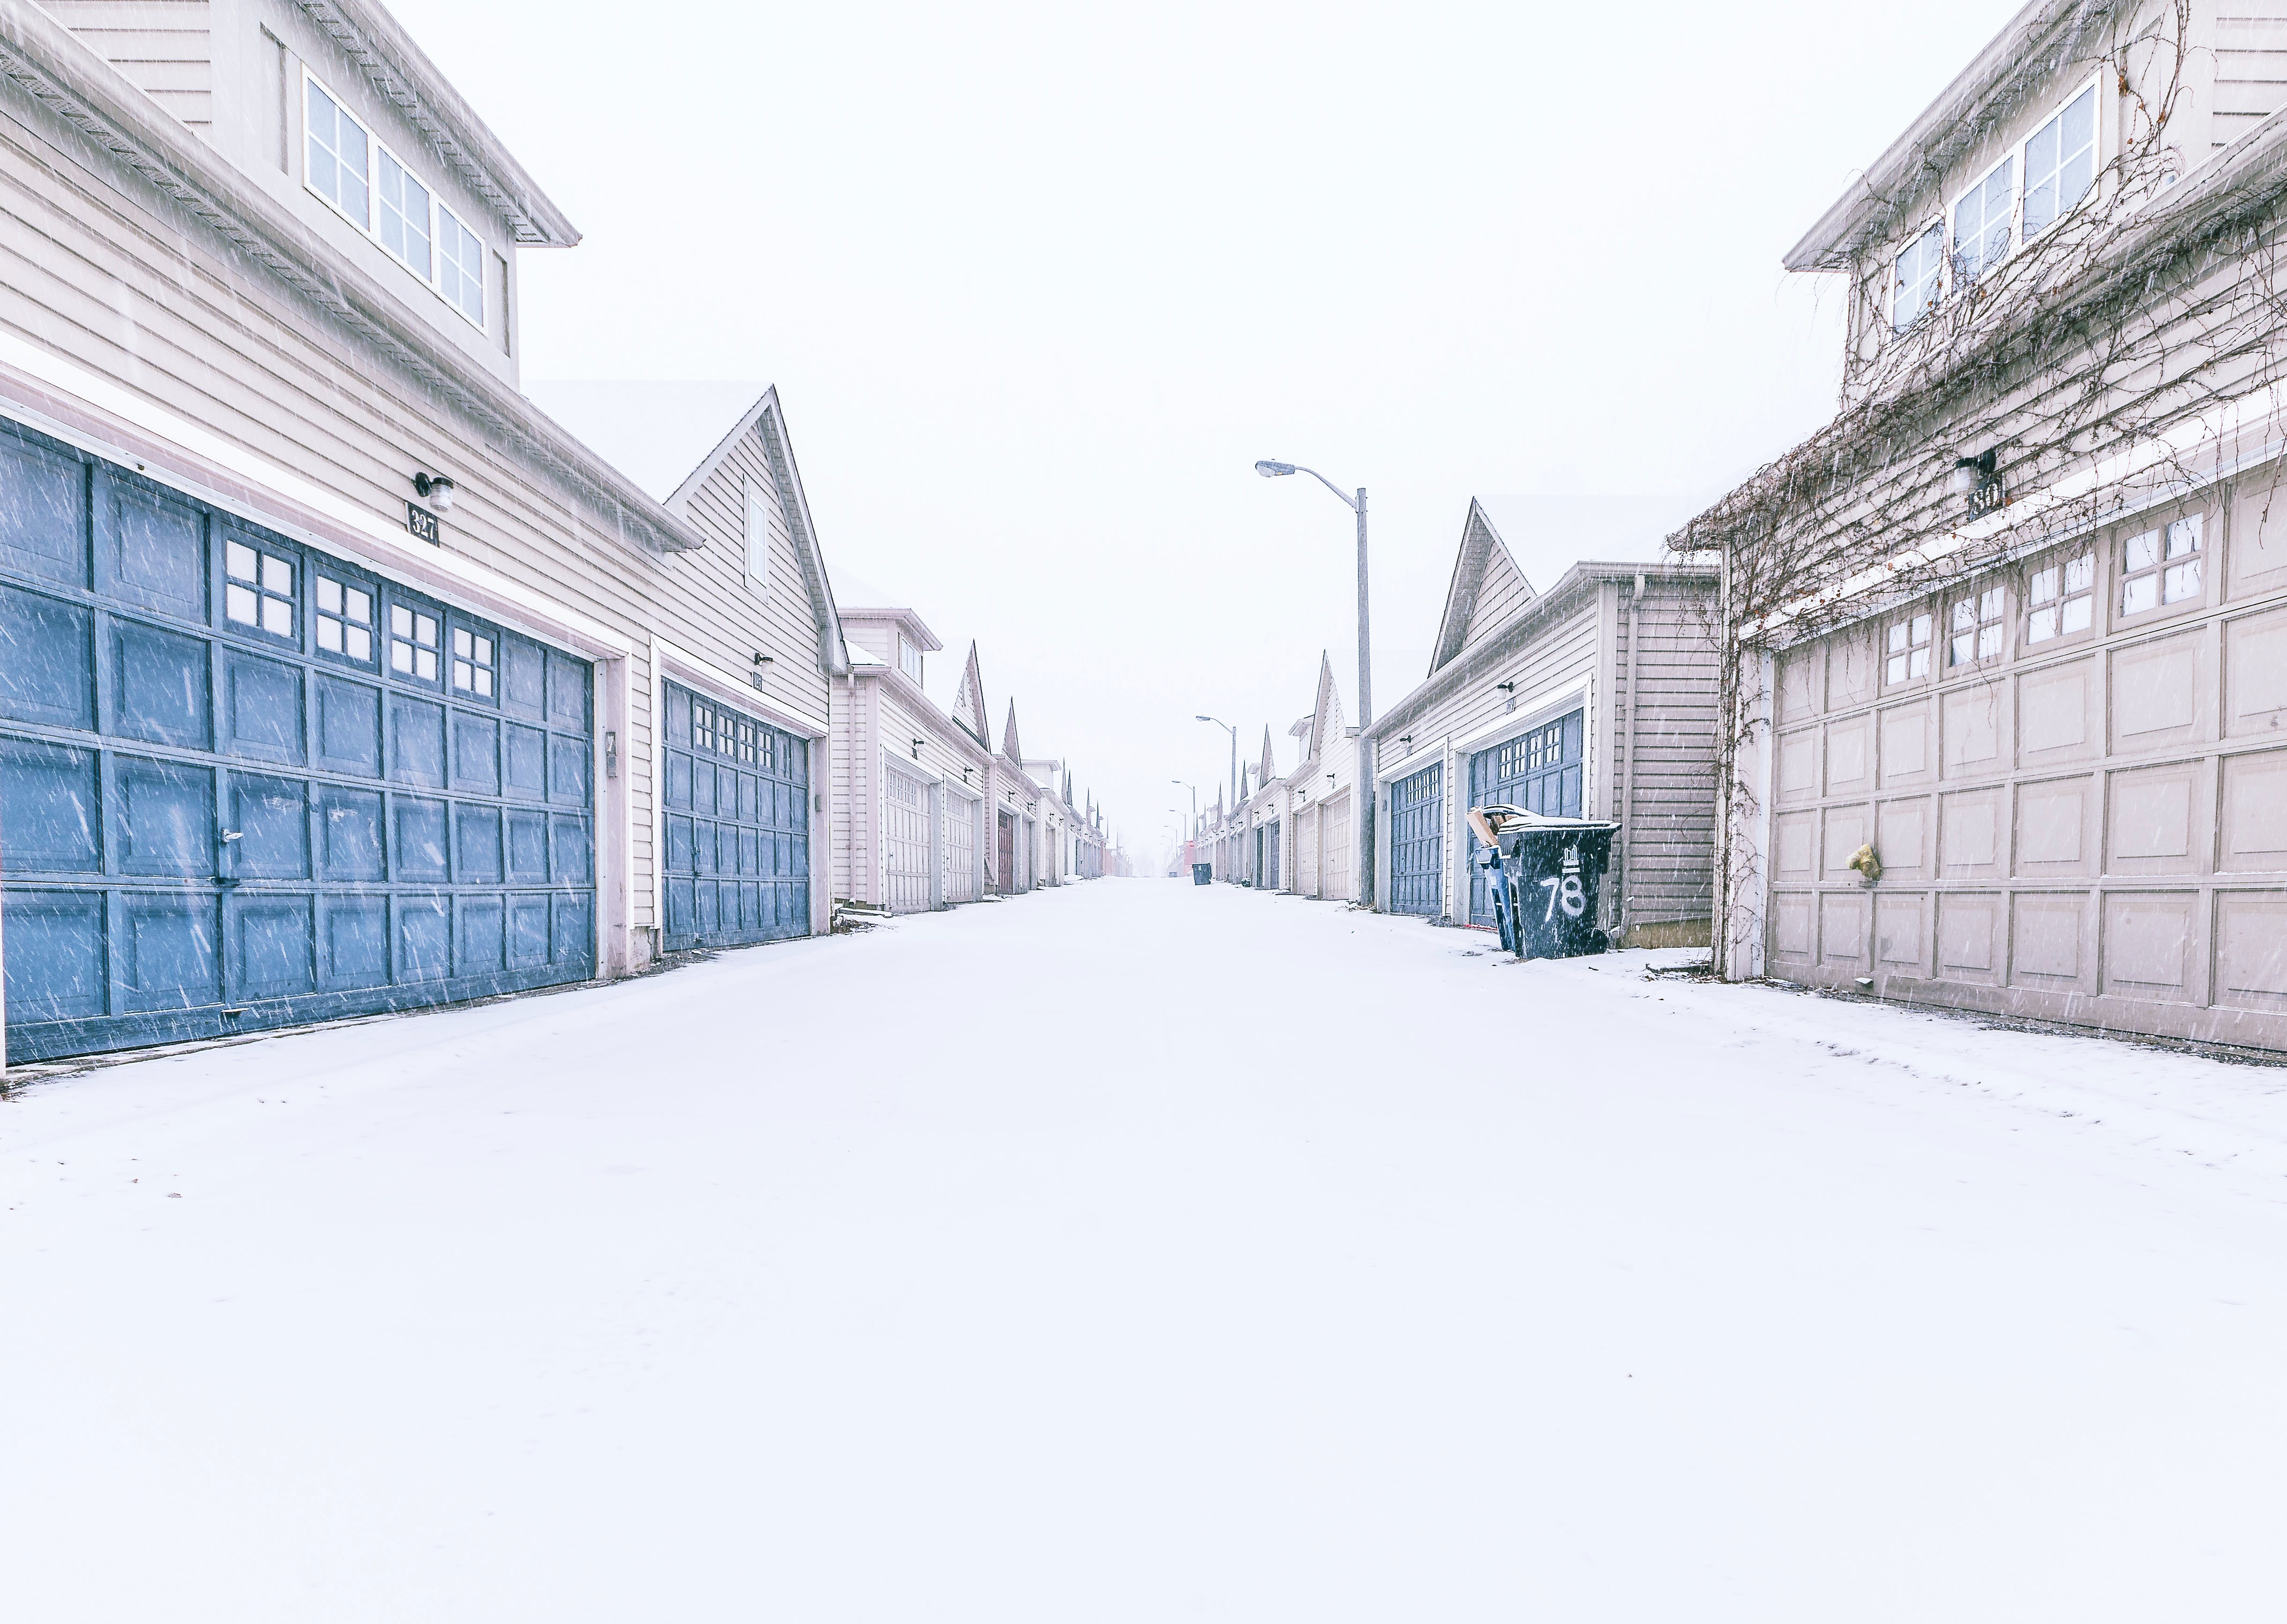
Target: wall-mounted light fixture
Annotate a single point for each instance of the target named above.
(763, 659)
(1978, 479)
(917, 747)
(436, 490)
(1405, 737)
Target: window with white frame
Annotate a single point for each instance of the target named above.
(404, 213)
(1917, 278)
(2060, 163)
(1982, 217)
(2061, 599)
(472, 663)
(909, 657)
(758, 539)
(338, 156)
(344, 619)
(460, 266)
(1976, 628)
(1909, 650)
(2161, 567)
(259, 589)
(412, 642)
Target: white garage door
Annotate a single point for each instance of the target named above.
(962, 815)
(905, 831)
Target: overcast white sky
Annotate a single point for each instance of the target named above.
(1039, 283)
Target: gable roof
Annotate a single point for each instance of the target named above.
(401, 72)
(1270, 758)
(1009, 745)
(669, 437)
(1325, 717)
(657, 433)
(969, 700)
(1518, 547)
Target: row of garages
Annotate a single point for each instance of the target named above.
(1588, 693)
(337, 675)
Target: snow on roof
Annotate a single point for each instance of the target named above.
(656, 433)
(855, 593)
(1548, 536)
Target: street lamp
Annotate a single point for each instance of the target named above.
(1274, 471)
(1233, 731)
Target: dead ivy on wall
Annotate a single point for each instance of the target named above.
(2113, 341)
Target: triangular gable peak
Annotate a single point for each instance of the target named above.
(969, 700)
(767, 422)
(1270, 758)
(1326, 713)
(1484, 577)
(1008, 746)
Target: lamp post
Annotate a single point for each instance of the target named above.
(1366, 894)
(1194, 789)
(1233, 731)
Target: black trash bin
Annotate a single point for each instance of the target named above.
(1202, 873)
(1553, 871)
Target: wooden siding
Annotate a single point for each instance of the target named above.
(98, 268)
(2251, 68)
(164, 47)
(1501, 593)
(1668, 828)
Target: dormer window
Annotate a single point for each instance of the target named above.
(2060, 163)
(909, 657)
(1982, 219)
(339, 157)
(460, 266)
(1917, 278)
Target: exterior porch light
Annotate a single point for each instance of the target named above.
(435, 489)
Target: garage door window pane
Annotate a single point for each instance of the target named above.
(2061, 599)
(2162, 566)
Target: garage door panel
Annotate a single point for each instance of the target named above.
(353, 942)
(272, 941)
(152, 547)
(476, 754)
(48, 676)
(350, 844)
(56, 962)
(480, 845)
(44, 522)
(162, 684)
(416, 742)
(271, 819)
(480, 936)
(48, 806)
(262, 709)
(162, 818)
(572, 850)
(167, 956)
(348, 727)
(424, 938)
(417, 848)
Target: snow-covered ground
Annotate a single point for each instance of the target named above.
(1137, 1252)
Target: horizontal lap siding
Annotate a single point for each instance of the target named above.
(117, 278)
(163, 47)
(1671, 833)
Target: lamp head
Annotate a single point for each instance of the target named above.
(1272, 471)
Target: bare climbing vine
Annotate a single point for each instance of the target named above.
(2093, 371)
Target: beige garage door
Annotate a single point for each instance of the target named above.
(2072, 773)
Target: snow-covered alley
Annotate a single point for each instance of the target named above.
(1141, 1252)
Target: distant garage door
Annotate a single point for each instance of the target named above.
(738, 826)
(244, 785)
(905, 846)
(961, 818)
(1417, 844)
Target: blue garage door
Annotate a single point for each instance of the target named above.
(738, 827)
(242, 785)
(1539, 770)
(1417, 842)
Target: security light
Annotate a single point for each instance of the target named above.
(1272, 471)
(435, 489)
